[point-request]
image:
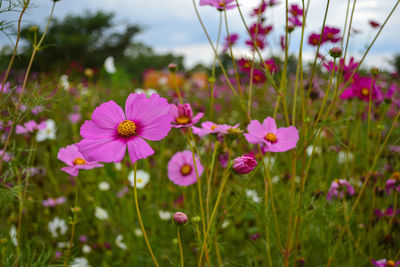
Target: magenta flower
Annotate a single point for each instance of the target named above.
(272, 138)
(385, 263)
(207, 127)
(52, 202)
(181, 170)
(111, 131)
(74, 117)
(75, 161)
(393, 183)
(374, 24)
(6, 156)
(219, 4)
(29, 127)
(331, 34)
(338, 188)
(258, 76)
(259, 10)
(183, 115)
(389, 212)
(233, 38)
(313, 39)
(271, 65)
(244, 164)
(360, 88)
(244, 65)
(295, 10)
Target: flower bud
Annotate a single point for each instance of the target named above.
(33, 28)
(374, 71)
(180, 217)
(196, 219)
(172, 67)
(336, 52)
(244, 164)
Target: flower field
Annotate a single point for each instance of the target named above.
(257, 160)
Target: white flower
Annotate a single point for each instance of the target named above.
(164, 215)
(148, 92)
(109, 65)
(142, 178)
(119, 243)
(101, 214)
(252, 194)
(80, 262)
(62, 244)
(47, 133)
(163, 81)
(57, 226)
(104, 186)
(86, 249)
(138, 232)
(13, 235)
(309, 150)
(118, 166)
(275, 179)
(64, 83)
(344, 156)
(225, 224)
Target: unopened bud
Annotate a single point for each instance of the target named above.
(180, 217)
(336, 52)
(172, 67)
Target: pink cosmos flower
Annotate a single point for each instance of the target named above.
(6, 156)
(331, 34)
(219, 4)
(244, 164)
(181, 170)
(360, 88)
(389, 212)
(244, 65)
(6, 88)
(207, 127)
(272, 138)
(385, 263)
(259, 10)
(29, 127)
(295, 10)
(75, 161)
(183, 115)
(52, 202)
(313, 39)
(338, 188)
(393, 183)
(233, 38)
(374, 24)
(74, 117)
(271, 65)
(111, 131)
(258, 76)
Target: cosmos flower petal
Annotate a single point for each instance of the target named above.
(105, 150)
(68, 154)
(108, 115)
(139, 149)
(70, 170)
(156, 129)
(93, 131)
(269, 125)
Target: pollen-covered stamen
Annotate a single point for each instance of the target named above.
(390, 263)
(186, 169)
(126, 128)
(182, 120)
(79, 161)
(222, 4)
(213, 127)
(365, 92)
(270, 137)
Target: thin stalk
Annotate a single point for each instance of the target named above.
(73, 223)
(210, 176)
(180, 246)
(369, 114)
(140, 218)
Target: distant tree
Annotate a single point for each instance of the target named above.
(396, 62)
(87, 39)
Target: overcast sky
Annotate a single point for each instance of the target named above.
(172, 26)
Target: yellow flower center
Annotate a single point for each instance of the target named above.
(365, 92)
(247, 65)
(396, 176)
(390, 263)
(79, 161)
(213, 127)
(330, 35)
(270, 137)
(126, 128)
(186, 169)
(182, 120)
(140, 180)
(222, 4)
